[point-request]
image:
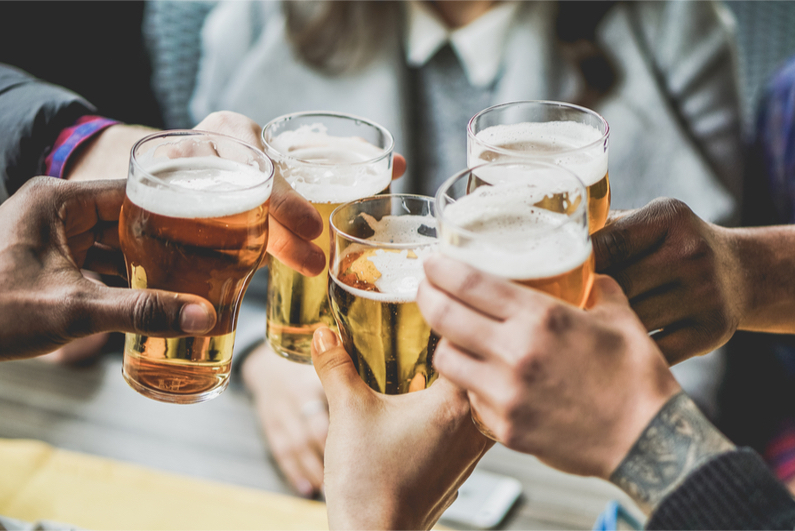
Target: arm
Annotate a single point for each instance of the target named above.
(589, 393)
(32, 114)
(697, 281)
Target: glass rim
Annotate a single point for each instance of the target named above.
(580, 211)
(387, 245)
(197, 132)
(388, 151)
(604, 136)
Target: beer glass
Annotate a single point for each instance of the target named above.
(330, 159)
(194, 220)
(378, 245)
(526, 221)
(549, 131)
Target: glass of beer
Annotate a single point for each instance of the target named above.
(330, 159)
(378, 245)
(526, 221)
(550, 131)
(195, 220)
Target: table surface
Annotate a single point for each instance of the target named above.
(91, 409)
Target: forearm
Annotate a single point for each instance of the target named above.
(674, 444)
(106, 155)
(766, 258)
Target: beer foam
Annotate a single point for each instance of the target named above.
(401, 270)
(513, 238)
(551, 141)
(200, 187)
(332, 171)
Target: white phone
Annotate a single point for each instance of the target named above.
(484, 500)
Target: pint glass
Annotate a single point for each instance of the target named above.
(378, 245)
(330, 159)
(525, 221)
(548, 131)
(194, 220)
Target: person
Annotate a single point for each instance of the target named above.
(646, 67)
(51, 130)
(55, 228)
(590, 393)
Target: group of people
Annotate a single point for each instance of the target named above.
(588, 392)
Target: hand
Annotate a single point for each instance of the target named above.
(293, 221)
(574, 388)
(293, 413)
(680, 273)
(392, 461)
(51, 230)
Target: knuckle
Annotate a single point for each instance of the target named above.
(471, 280)
(611, 246)
(556, 318)
(148, 314)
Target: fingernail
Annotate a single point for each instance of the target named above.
(194, 318)
(324, 340)
(304, 488)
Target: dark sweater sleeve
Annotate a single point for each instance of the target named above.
(734, 490)
(32, 114)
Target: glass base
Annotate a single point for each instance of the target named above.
(294, 345)
(172, 398)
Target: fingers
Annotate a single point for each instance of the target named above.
(606, 291)
(398, 166)
(682, 341)
(334, 366)
(297, 253)
(233, 124)
(458, 367)
(293, 211)
(150, 312)
(633, 235)
(84, 204)
(105, 262)
(487, 294)
(456, 321)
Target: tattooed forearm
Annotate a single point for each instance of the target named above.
(674, 444)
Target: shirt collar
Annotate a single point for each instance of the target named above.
(479, 45)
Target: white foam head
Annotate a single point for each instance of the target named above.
(200, 187)
(401, 270)
(330, 169)
(506, 235)
(556, 142)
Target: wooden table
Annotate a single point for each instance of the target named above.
(92, 410)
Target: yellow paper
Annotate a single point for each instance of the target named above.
(39, 482)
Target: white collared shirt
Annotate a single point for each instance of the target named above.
(479, 45)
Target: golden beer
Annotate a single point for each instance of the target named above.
(524, 221)
(571, 136)
(175, 237)
(328, 169)
(376, 268)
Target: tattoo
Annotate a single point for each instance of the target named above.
(676, 442)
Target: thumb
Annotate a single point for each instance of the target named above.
(606, 292)
(143, 311)
(333, 365)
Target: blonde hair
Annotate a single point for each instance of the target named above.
(336, 37)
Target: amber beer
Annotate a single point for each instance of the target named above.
(330, 159)
(571, 136)
(198, 225)
(376, 268)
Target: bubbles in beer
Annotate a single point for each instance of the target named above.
(559, 141)
(182, 185)
(329, 169)
(506, 234)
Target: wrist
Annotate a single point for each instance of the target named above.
(106, 155)
(674, 444)
(765, 288)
